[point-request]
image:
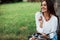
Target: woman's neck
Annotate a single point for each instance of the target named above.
(46, 16)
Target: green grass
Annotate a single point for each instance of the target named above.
(17, 20)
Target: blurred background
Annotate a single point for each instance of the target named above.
(10, 1)
(17, 18)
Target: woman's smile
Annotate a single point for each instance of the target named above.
(44, 7)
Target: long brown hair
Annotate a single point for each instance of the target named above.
(50, 7)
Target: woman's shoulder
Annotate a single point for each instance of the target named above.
(54, 18)
(38, 13)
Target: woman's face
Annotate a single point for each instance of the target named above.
(44, 6)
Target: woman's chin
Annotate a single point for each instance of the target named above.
(43, 11)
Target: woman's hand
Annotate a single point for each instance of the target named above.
(44, 35)
(32, 38)
(41, 22)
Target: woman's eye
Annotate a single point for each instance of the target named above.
(43, 5)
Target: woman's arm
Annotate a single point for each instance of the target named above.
(54, 25)
(38, 26)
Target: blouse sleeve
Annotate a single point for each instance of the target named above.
(37, 15)
(53, 27)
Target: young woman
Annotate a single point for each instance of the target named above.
(46, 21)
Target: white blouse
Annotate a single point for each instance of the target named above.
(49, 27)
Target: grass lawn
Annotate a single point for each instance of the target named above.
(17, 20)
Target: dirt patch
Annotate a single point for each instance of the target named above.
(23, 28)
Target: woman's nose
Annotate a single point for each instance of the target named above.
(43, 6)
